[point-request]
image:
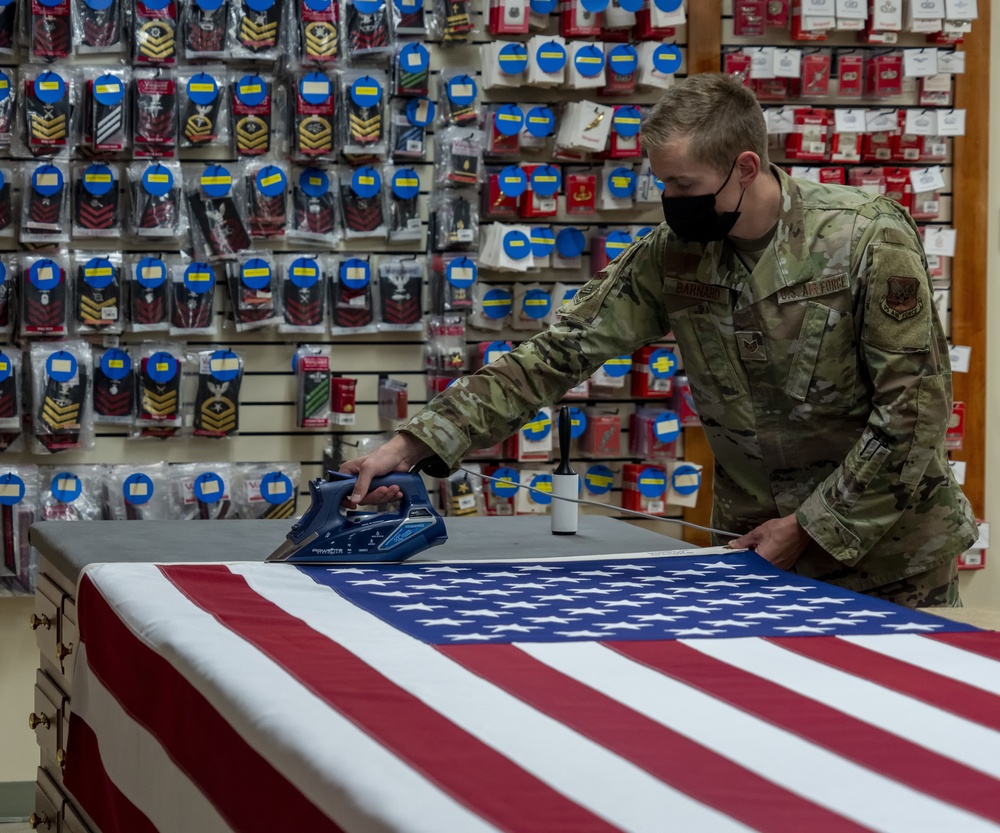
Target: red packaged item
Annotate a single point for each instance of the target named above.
(809, 140)
(885, 21)
(508, 17)
(771, 89)
(933, 149)
(581, 191)
(954, 438)
(603, 435)
(876, 147)
(749, 18)
(832, 176)
(50, 35)
(343, 400)
(575, 21)
(623, 141)
(499, 497)
(645, 30)
(926, 205)
(885, 76)
(500, 143)
(532, 204)
(845, 147)
(809, 27)
(777, 14)
(497, 204)
(850, 73)
(619, 70)
(644, 488)
(684, 402)
(738, 63)
(815, 74)
(898, 186)
(653, 370)
(905, 146)
(871, 180)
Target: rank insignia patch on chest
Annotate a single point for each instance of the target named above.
(901, 301)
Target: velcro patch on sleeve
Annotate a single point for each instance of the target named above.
(899, 306)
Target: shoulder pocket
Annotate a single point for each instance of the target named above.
(899, 306)
(585, 307)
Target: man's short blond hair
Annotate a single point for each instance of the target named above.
(717, 112)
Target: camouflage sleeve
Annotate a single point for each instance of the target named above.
(614, 314)
(903, 350)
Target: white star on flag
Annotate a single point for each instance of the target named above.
(585, 611)
(825, 600)
(692, 609)
(480, 636)
(562, 598)
(719, 623)
(794, 608)
(628, 626)
(912, 626)
(587, 634)
(450, 622)
(655, 617)
(492, 614)
(696, 632)
(374, 581)
(879, 614)
(804, 629)
(419, 606)
(525, 605)
(554, 620)
(447, 569)
(835, 621)
(514, 628)
(399, 594)
(719, 565)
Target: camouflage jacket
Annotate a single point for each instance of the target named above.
(822, 380)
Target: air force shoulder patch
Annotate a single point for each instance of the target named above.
(901, 300)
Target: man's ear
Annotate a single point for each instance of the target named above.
(748, 167)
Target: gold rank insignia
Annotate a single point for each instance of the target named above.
(218, 414)
(256, 34)
(60, 414)
(198, 128)
(48, 129)
(280, 511)
(321, 40)
(316, 134)
(156, 40)
(366, 130)
(157, 403)
(252, 134)
(91, 311)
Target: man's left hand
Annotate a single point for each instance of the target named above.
(780, 541)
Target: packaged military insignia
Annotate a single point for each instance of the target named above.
(154, 32)
(155, 192)
(363, 123)
(314, 199)
(311, 364)
(49, 32)
(366, 28)
(257, 29)
(400, 292)
(411, 70)
(155, 118)
(8, 23)
(206, 27)
(6, 202)
(319, 31)
(362, 203)
(114, 387)
(46, 112)
(103, 126)
(267, 491)
(70, 494)
(451, 22)
(97, 293)
(192, 308)
(8, 98)
(44, 203)
(410, 120)
(257, 115)
(96, 210)
(97, 27)
(352, 300)
(453, 220)
(10, 400)
(303, 293)
(204, 490)
(158, 390)
(253, 292)
(149, 294)
(203, 107)
(459, 157)
(138, 493)
(314, 125)
(405, 223)
(452, 279)
(215, 202)
(217, 400)
(44, 296)
(408, 17)
(61, 406)
(266, 187)
(9, 280)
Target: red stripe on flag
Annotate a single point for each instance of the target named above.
(85, 777)
(842, 734)
(935, 689)
(472, 772)
(675, 759)
(984, 643)
(245, 789)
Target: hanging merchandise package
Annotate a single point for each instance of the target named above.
(303, 293)
(103, 127)
(157, 207)
(71, 493)
(98, 293)
(154, 122)
(311, 365)
(362, 203)
(154, 32)
(192, 308)
(363, 97)
(352, 299)
(204, 490)
(11, 387)
(10, 277)
(266, 491)
(158, 390)
(315, 207)
(203, 106)
(258, 115)
(318, 32)
(44, 203)
(150, 291)
(253, 292)
(114, 387)
(314, 117)
(217, 400)
(206, 27)
(18, 511)
(139, 493)
(61, 402)
(216, 203)
(45, 296)
(96, 206)
(256, 29)
(266, 186)
(400, 293)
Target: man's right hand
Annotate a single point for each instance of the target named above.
(401, 453)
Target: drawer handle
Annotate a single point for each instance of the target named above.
(36, 720)
(42, 621)
(35, 821)
(63, 650)
(61, 757)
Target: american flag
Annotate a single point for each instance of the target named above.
(696, 693)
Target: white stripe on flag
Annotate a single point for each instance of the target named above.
(939, 657)
(580, 769)
(780, 756)
(326, 757)
(931, 727)
(137, 764)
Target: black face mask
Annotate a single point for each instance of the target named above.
(695, 220)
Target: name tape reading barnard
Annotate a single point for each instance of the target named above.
(693, 289)
(824, 286)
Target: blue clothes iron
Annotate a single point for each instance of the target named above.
(329, 534)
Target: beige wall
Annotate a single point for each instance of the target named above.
(18, 660)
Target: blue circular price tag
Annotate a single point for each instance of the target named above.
(303, 272)
(61, 366)
(260, 5)
(271, 180)
(462, 90)
(543, 241)
(108, 90)
(66, 487)
(589, 60)
(199, 278)
(408, 6)
(643, 232)
(508, 119)
(632, 6)
(543, 484)
(138, 489)
(318, 5)
(224, 365)
(315, 88)
(667, 59)
(668, 6)
(208, 5)
(256, 274)
(618, 366)
(545, 180)
(569, 294)
(116, 364)
(216, 181)
(366, 92)
(251, 90)
(497, 303)
(11, 489)
(96, 5)
(599, 480)
(570, 242)
(6, 367)
(49, 87)
(3, 272)
(595, 6)
(202, 89)
(47, 180)
(538, 428)
(622, 182)
(462, 272)
(616, 242)
(551, 57)
(276, 487)
(209, 487)
(157, 180)
(368, 6)
(662, 363)
(420, 111)
(513, 58)
(577, 423)
(45, 274)
(97, 179)
(667, 427)
(509, 481)
(406, 183)
(355, 273)
(495, 349)
(366, 182)
(512, 181)
(652, 483)
(537, 303)
(685, 480)
(623, 59)
(413, 57)
(150, 272)
(156, 4)
(4, 79)
(314, 182)
(543, 7)
(98, 272)
(627, 121)
(161, 367)
(516, 244)
(540, 122)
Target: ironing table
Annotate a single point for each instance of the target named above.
(509, 680)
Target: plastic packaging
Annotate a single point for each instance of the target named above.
(253, 292)
(11, 387)
(44, 296)
(217, 399)
(156, 204)
(104, 128)
(204, 490)
(314, 116)
(158, 390)
(154, 32)
(266, 186)
(139, 493)
(62, 418)
(318, 32)
(311, 365)
(315, 209)
(18, 511)
(352, 298)
(216, 204)
(150, 292)
(44, 203)
(366, 28)
(71, 493)
(258, 115)
(155, 124)
(96, 205)
(203, 106)
(303, 293)
(98, 292)
(114, 387)
(363, 97)
(362, 203)
(206, 29)
(257, 29)
(400, 293)
(267, 491)
(192, 310)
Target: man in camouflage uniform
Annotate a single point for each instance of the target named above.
(817, 361)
